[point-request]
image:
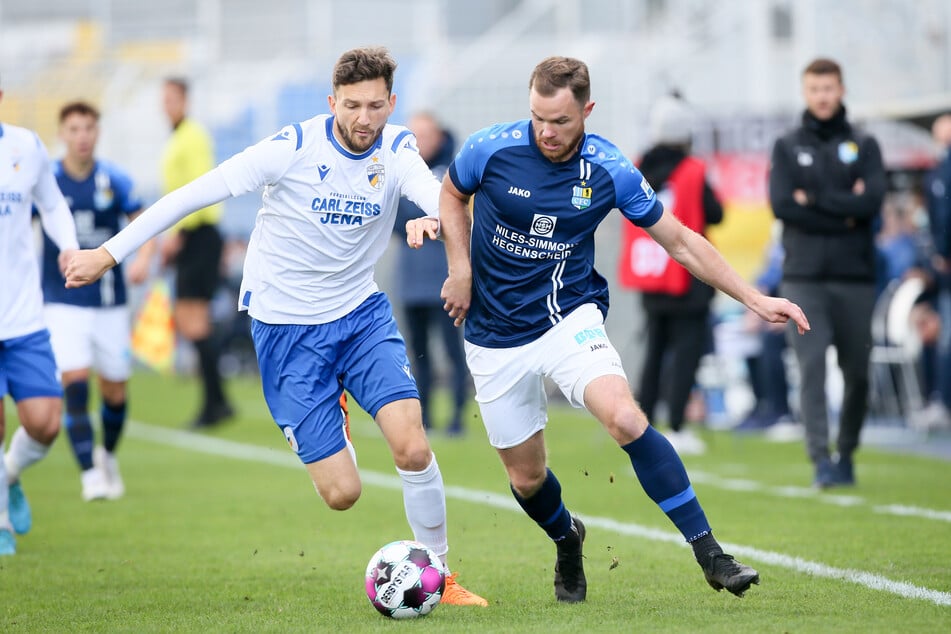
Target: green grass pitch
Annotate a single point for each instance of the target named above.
(223, 532)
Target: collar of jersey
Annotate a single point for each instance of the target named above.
(350, 155)
(60, 170)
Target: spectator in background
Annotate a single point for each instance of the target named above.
(939, 210)
(27, 366)
(195, 246)
(903, 242)
(421, 274)
(676, 304)
(768, 369)
(826, 183)
(89, 327)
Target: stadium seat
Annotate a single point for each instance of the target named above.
(896, 350)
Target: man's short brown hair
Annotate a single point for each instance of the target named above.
(78, 107)
(823, 66)
(364, 64)
(554, 73)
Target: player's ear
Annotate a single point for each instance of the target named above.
(332, 104)
(588, 107)
(392, 102)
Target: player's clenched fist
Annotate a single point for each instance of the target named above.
(87, 266)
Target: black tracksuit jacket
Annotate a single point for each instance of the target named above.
(832, 238)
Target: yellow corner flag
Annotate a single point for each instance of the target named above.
(153, 336)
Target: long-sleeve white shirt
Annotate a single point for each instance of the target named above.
(26, 179)
(325, 220)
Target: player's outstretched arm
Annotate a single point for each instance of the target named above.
(87, 266)
(695, 252)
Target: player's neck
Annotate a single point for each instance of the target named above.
(78, 168)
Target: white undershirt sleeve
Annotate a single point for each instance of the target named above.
(258, 165)
(419, 185)
(57, 220)
(207, 189)
(263, 163)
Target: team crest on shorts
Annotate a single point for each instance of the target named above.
(581, 197)
(291, 439)
(375, 174)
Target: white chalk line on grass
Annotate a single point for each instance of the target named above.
(751, 486)
(242, 451)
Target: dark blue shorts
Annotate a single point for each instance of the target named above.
(304, 368)
(28, 368)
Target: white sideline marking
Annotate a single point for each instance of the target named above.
(232, 449)
(737, 484)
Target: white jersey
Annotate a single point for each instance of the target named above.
(326, 218)
(26, 180)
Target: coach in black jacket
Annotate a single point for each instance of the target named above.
(826, 184)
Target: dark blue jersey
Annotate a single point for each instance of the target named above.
(533, 228)
(99, 203)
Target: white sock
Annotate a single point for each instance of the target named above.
(24, 451)
(424, 499)
(4, 492)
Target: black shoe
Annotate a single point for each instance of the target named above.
(722, 571)
(570, 584)
(825, 475)
(843, 471)
(213, 416)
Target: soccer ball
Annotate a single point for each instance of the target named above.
(405, 579)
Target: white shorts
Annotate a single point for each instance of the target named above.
(509, 382)
(86, 337)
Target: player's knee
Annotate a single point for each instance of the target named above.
(44, 430)
(340, 496)
(626, 424)
(413, 456)
(527, 482)
(41, 419)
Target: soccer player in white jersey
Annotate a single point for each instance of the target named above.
(27, 367)
(320, 324)
(521, 275)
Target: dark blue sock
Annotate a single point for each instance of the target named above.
(78, 427)
(665, 480)
(113, 419)
(547, 509)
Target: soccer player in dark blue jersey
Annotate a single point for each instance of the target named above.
(89, 326)
(522, 277)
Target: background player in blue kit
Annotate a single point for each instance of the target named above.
(521, 275)
(320, 324)
(27, 366)
(89, 327)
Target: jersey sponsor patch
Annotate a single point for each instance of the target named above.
(543, 225)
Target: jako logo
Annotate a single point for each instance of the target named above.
(524, 193)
